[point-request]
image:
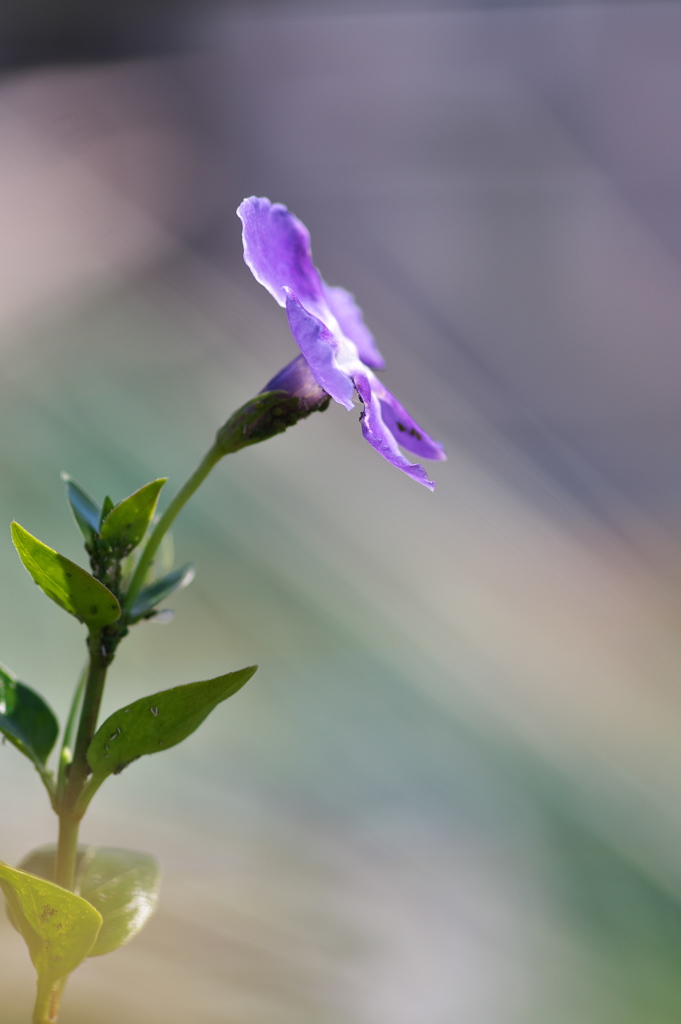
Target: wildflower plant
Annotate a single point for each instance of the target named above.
(70, 901)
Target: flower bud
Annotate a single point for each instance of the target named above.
(290, 396)
(297, 380)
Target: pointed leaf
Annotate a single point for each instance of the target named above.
(127, 523)
(26, 720)
(86, 512)
(107, 506)
(161, 618)
(158, 722)
(68, 584)
(58, 927)
(122, 885)
(157, 591)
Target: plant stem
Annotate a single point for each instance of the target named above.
(67, 850)
(47, 1002)
(73, 794)
(166, 521)
(66, 754)
(72, 782)
(69, 818)
(73, 777)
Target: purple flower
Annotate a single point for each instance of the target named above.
(327, 324)
(296, 378)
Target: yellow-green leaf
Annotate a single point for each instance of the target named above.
(67, 583)
(58, 927)
(122, 885)
(126, 523)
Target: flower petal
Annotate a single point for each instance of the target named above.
(338, 352)
(404, 429)
(277, 250)
(376, 431)
(319, 346)
(296, 378)
(349, 316)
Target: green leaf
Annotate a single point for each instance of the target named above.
(26, 720)
(107, 506)
(127, 523)
(122, 885)
(59, 927)
(157, 591)
(86, 512)
(158, 722)
(68, 584)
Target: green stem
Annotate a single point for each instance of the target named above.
(69, 817)
(67, 850)
(66, 754)
(166, 521)
(86, 795)
(47, 1002)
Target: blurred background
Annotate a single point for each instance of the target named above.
(450, 794)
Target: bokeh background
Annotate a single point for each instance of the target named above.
(451, 793)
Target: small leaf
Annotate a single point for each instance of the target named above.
(107, 506)
(158, 722)
(59, 927)
(122, 885)
(157, 591)
(26, 720)
(126, 524)
(162, 617)
(68, 584)
(86, 512)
